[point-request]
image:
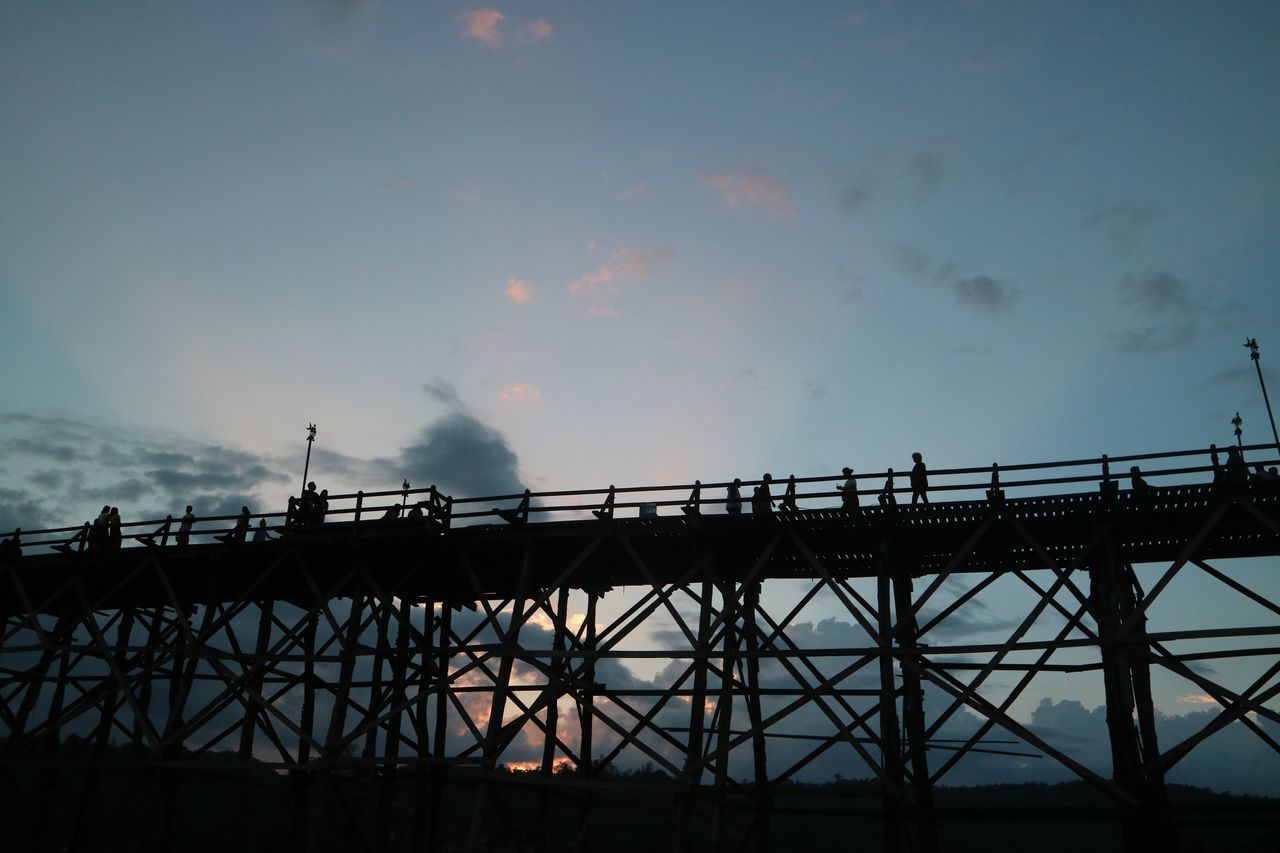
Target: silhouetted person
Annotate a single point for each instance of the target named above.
(762, 498)
(262, 534)
(114, 536)
(184, 527)
(393, 513)
(1218, 474)
(98, 531)
(733, 504)
(307, 504)
(236, 535)
(919, 479)
(11, 549)
(416, 512)
(693, 506)
(1237, 472)
(321, 508)
(789, 497)
(849, 491)
(1141, 487)
(886, 496)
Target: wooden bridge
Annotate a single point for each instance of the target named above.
(381, 676)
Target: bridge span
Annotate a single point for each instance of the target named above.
(380, 677)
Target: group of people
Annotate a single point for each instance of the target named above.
(1236, 472)
(762, 497)
(309, 509)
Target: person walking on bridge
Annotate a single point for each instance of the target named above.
(733, 503)
(184, 527)
(849, 491)
(762, 498)
(919, 480)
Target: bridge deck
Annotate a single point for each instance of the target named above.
(422, 560)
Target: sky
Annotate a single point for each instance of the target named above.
(566, 244)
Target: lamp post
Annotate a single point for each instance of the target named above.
(1236, 421)
(311, 437)
(1251, 344)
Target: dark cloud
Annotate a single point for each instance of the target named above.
(984, 293)
(1241, 376)
(41, 447)
(463, 456)
(854, 199)
(1169, 313)
(22, 509)
(1155, 293)
(925, 172)
(50, 480)
(1122, 218)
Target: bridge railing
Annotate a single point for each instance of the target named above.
(434, 511)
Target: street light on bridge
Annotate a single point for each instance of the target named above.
(1251, 344)
(311, 437)
(1236, 421)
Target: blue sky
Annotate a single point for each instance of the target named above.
(625, 243)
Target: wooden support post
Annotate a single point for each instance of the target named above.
(322, 805)
(441, 688)
(493, 742)
(1149, 827)
(693, 763)
(724, 708)
(891, 760)
(299, 837)
(555, 689)
(906, 634)
(763, 805)
(586, 719)
(83, 825)
(249, 727)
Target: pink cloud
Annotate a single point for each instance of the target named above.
(752, 189)
(519, 393)
(484, 26)
(519, 291)
(638, 192)
(627, 264)
(537, 31)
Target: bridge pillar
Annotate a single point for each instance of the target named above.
(1147, 827)
(907, 635)
(891, 745)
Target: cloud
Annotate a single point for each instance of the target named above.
(536, 31)
(1155, 293)
(984, 293)
(638, 192)
(463, 456)
(854, 199)
(925, 172)
(484, 26)
(751, 190)
(399, 181)
(1122, 217)
(627, 264)
(335, 28)
(981, 292)
(519, 291)
(1170, 313)
(519, 393)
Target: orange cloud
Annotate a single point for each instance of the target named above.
(752, 189)
(519, 291)
(519, 393)
(1198, 699)
(537, 31)
(484, 26)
